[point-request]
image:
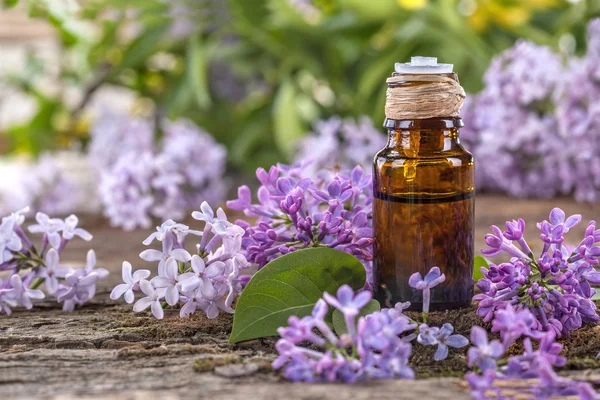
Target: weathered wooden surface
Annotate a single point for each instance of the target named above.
(104, 350)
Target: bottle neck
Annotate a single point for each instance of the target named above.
(420, 137)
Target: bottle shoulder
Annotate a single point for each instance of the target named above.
(395, 153)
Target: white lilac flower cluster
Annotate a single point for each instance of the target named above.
(140, 179)
(535, 125)
(340, 145)
(28, 267)
(208, 280)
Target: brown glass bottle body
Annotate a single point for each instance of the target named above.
(423, 212)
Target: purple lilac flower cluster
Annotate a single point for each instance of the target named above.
(535, 123)
(295, 211)
(338, 144)
(578, 115)
(42, 266)
(371, 348)
(555, 286)
(530, 374)
(377, 346)
(208, 280)
(139, 180)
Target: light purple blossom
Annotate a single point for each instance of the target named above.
(131, 280)
(483, 353)
(209, 281)
(77, 288)
(20, 293)
(52, 271)
(218, 224)
(9, 241)
(166, 227)
(201, 276)
(50, 227)
(71, 230)
(428, 335)
(348, 303)
(30, 267)
(433, 278)
(152, 299)
(169, 279)
(168, 251)
(446, 339)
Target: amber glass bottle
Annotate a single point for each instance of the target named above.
(423, 209)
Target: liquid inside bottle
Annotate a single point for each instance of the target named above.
(423, 212)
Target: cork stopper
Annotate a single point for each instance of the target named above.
(423, 65)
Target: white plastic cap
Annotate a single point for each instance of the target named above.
(423, 65)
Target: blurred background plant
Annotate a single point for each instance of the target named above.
(257, 74)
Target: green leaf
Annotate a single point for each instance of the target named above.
(291, 285)
(197, 66)
(139, 50)
(596, 296)
(480, 261)
(339, 324)
(9, 3)
(287, 123)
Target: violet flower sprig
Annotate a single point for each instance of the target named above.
(494, 371)
(296, 212)
(372, 348)
(431, 336)
(556, 286)
(42, 266)
(433, 278)
(377, 346)
(208, 280)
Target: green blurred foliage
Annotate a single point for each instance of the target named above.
(258, 73)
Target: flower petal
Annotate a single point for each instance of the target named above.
(118, 291)
(172, 296)
(51, 284)
(478, 336)
(54, 239)
(207, 289)
(441, 352)
(90, 261)
(157, 310)
(457, 341)
(82, 233)
(51, 259)
(151, 255)
(139, 275)
(126, 273)
(146, 287)
(198, 264)
(171, 268)
(129, 296)
(557, 216)
(181, 255)
(190, 284)
(414, 279)
(142, 304)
